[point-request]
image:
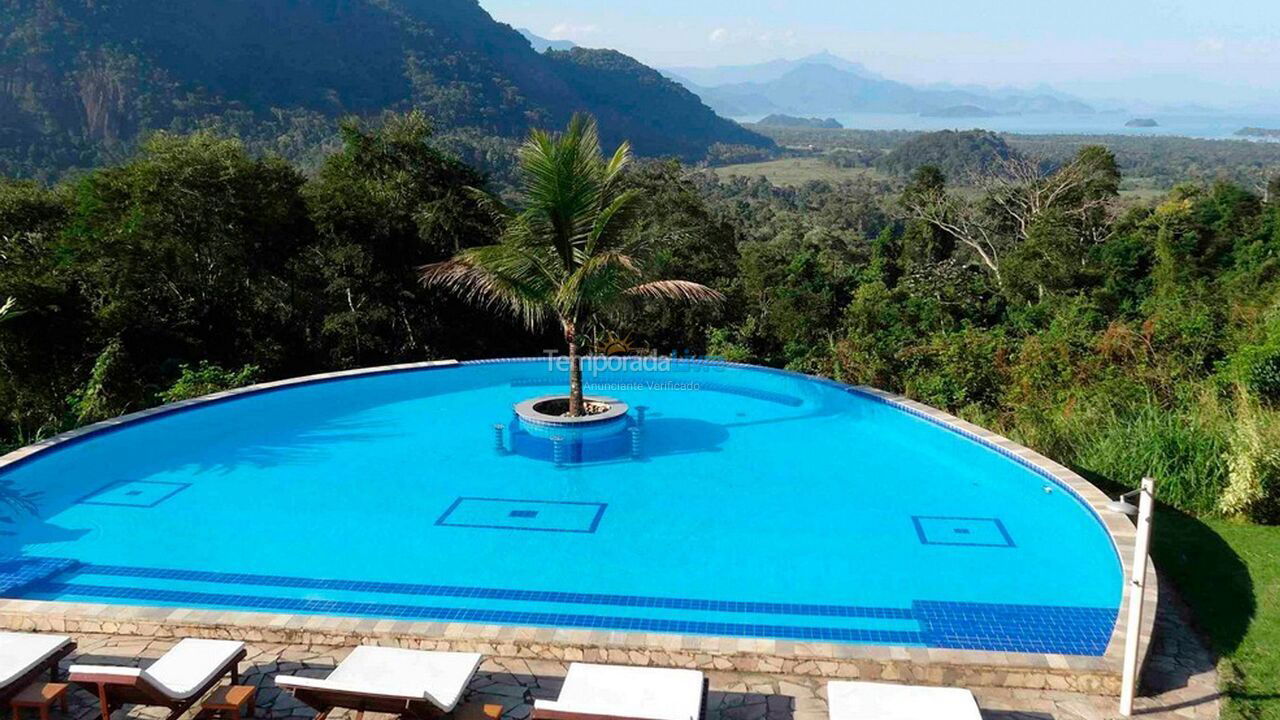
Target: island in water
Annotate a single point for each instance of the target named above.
(1142, 123)
(1257, 132)
(959, 111)
(791, 121)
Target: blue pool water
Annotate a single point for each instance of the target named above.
(763, 504)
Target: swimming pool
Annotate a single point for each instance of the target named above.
(759, 504)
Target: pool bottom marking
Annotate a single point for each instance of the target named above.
(951, 625)
(528, 515)
(144, 494)
(962, 531)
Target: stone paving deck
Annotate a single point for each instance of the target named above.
(1180, 682)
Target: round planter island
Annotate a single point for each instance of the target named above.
(602, 434)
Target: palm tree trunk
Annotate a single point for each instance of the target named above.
(575, 370)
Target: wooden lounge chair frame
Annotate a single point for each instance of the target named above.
(325, 701)
(543, 714)
(115, 691)
(50, 663)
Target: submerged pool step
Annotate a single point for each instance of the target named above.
(188, 598)
(459, 591)
(18, 573)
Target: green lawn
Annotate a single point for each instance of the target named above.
(794, 171)
(1230, 576)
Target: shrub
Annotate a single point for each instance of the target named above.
(957, 369)
(1264, 376)
(206, 379)
(1253, 461)
(1184, 446)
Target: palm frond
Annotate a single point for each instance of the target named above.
(601, 281)
(492, 206)
(612, 222)
(678, 290)
(496, 276)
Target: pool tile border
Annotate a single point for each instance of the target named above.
(975, 668)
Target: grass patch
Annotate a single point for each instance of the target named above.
(1229, 573)
(796, 171)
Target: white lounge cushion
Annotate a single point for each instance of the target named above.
(438, 677)
(632, 692)
(20, 652)
(182, 671)
(879, 701)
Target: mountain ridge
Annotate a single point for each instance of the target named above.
(542, 44)
(826, 84)
(766, 71)
(81, 81)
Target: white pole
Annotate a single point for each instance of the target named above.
(1137, 587)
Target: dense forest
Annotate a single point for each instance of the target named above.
(1124, 339)
(82, 82)
(1145, 161)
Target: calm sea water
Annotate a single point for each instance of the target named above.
(763, 504)
(1207, 126)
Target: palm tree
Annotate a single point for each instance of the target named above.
(573, 253)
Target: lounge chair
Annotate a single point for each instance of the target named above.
(176, 681)
(25, 657)
(416, 683)
(592, 692)
(879, 701)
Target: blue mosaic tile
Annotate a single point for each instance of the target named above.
(488, 617)
(391, 588)
(1015, 628)
(533, 515)
(970, 626)
(18, 573)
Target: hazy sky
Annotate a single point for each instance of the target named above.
(1178, 50)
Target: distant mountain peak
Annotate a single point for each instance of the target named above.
(694, 77)
(542, 44)
(825, 83)
(830, 59)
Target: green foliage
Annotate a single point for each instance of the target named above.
(1264, 376)
(207, 379)
(196, 252)
(957, 369)
(1184, 445)
(954, 153)
(1149, 163)
(387, 203)
(94, 401)
(1253, 464)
